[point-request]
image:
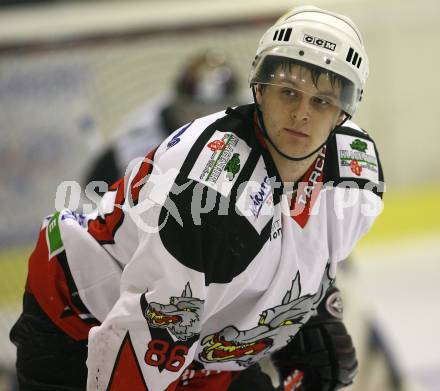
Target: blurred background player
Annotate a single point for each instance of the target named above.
(206, 84)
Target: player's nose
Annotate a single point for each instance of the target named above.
(301, 111)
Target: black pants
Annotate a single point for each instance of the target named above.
(49, 360)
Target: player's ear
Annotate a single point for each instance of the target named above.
(259, 89)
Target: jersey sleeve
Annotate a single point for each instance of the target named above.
(152, 332)
(355, 187)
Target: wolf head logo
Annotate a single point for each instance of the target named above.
(276, 327)
(181, 317)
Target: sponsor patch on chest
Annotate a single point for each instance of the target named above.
(220, 162)
(357, 158)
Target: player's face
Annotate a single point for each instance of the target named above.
(298, 113)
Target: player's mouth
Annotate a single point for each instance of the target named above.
(220, 350)
(296, 133)
(157, 318)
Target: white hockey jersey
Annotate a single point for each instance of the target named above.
(201, 256)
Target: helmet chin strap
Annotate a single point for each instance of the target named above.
(266, 135)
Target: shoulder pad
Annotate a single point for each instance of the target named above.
(352, 156)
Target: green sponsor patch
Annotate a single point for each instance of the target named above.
(359, 145)
(55, 243)
(217, 162)
(233, 166)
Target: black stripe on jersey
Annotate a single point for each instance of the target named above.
(246, 113)
(331, 166)
(220, 243)
(76, 300)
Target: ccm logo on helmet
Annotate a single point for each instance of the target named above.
(319, 42)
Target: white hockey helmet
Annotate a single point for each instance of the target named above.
(328, 41)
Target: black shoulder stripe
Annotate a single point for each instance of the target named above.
(354, 132)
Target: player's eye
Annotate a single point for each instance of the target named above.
(287, 322)
(323, 102)
(188, 309)
(289, 92)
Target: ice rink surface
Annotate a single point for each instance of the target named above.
(400, 281)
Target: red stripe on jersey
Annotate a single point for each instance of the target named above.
(203, 380)
(308, 191)
(259, 134)
(104, 229)
(293, 382)
(144, 170)
(126, 374)
(47, 282)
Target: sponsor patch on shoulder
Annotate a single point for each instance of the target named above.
(53, 236)
(220, 162)
(357, 158)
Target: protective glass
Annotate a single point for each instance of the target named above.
(296, 80)
(294, 98)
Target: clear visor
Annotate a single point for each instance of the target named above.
(294, 97)
(295, 81)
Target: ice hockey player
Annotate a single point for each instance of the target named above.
(220, 248)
